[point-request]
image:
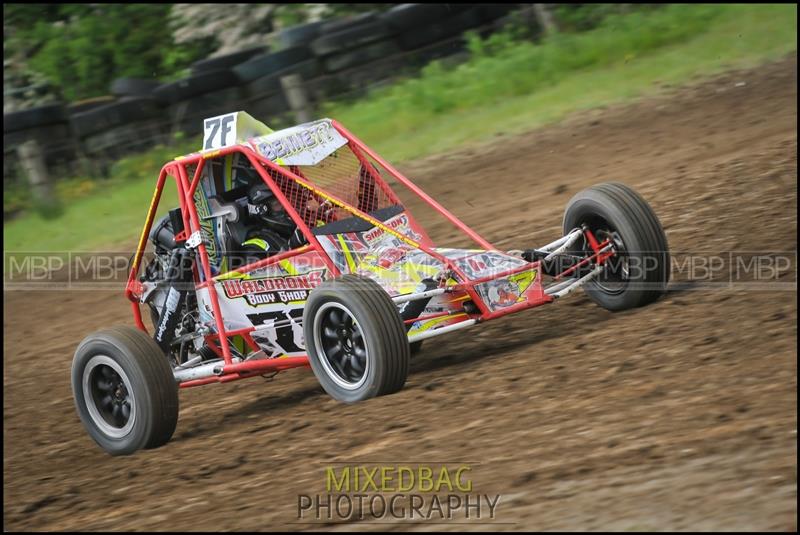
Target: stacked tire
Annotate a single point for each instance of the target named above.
(227, 61)
(205, 94)
(49, 126)
(260, 78)
(336, 58)
(354, 53)
(108, 129)
(432, 31)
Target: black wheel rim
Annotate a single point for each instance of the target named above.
(341, 345)
(108, 396)
(615, 277)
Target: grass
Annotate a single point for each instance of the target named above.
(110, 216)
(403, 126)
(506, 88)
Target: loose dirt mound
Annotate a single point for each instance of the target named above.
(679, 415)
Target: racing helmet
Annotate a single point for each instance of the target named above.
(264, 207)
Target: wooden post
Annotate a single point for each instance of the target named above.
(545, 18)
(32, 159)
(297, 97)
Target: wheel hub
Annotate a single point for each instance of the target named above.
(341, 345)
(614, 279)
(108, 397)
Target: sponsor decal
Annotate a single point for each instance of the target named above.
(173, 298)
(273, 290)
(398, 223)
(509, 291)
(296, 142)
(389, 256)
(285, 335)
(523, 280)
(394, 223)
(503, 294)
(207, 225)
(484, 263)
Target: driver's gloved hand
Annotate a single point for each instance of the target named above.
(263, 243)
(297, 239)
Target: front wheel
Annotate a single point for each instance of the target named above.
(356, 341)
(124, 389)
(639, 271)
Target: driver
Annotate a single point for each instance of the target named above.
(273, 230)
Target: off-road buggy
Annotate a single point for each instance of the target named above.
(352, 294)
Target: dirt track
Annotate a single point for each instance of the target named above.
(679, 415)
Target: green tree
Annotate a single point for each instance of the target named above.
(81, 48)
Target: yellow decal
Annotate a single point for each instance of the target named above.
(257, 241)
(228, 172)
(143, 237)
(232, 275)
(429, 324)
(288, 267)
(350, 262)
(523, 281)
(239, 343)
(207, 228)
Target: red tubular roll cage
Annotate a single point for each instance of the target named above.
(186, 189)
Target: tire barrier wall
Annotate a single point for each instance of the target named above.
(336, 59)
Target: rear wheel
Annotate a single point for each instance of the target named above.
(124, 390)
(356, 341)
(639, 272)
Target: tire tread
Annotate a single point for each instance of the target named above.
(651, 233)
(159, 383)
(392, 343)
